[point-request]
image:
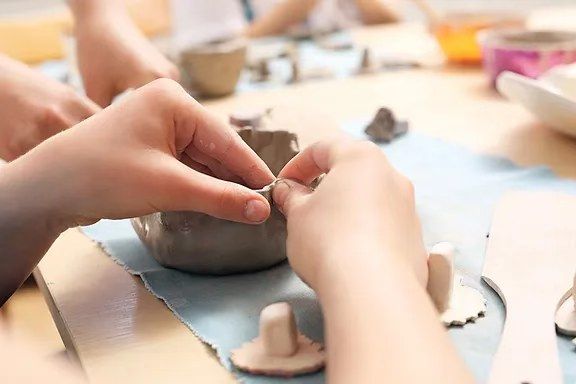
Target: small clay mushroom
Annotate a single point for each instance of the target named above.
(456, 303)
(441, 275)
(566, 312)
(384, 127)
(279, 349)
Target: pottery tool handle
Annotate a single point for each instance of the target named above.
(528, 352)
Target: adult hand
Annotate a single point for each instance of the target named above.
(155, 150)
(34, 107)
(362, 206)
(113, 55)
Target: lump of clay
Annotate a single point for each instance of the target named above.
(456, 303)
(279, 349)
(199, 243)
(213, 70)
(384, 127)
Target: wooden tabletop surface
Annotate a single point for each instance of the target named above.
(119, 332)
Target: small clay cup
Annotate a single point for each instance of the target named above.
(198, 243)
(213, 70)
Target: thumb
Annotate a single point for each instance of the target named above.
(196, 191)
(287, 194)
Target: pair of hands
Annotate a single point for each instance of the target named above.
(125, 163)
(113, 56)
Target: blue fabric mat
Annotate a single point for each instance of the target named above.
(456, 191)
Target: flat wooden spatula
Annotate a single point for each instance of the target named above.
(530, 262)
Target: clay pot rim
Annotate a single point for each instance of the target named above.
(526, 40)
(217, 47)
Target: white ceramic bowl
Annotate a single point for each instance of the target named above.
(545, 101)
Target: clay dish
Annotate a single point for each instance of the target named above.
(213, 70)
(545, 102)
(198, 243)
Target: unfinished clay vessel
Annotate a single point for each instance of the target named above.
(213, 70)
(199, 243)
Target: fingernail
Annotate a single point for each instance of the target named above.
(280, 192)
(256, 211)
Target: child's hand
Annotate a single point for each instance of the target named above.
(113, 55)
(362, 213)
(153, 151)
(34, 107)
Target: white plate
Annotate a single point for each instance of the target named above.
(543, 100)
(563, 77)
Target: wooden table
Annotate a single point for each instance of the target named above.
(119, 332)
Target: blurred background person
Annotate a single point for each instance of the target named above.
(274, 17)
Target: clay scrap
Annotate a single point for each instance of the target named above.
(198, 243)
(456, 303)
(279, 349)
(384, 127)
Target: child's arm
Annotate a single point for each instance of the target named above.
(377, 12)
(153, 151)
(284, 15)
(34, 107)
(113, 55)
(356, 240)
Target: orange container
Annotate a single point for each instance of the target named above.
(457, 33)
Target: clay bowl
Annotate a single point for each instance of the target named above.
(545, 102)
(199, 243)
(528, 53)
(213, 70)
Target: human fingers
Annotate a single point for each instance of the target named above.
(287, 194)
(82, 108)
(99, 92)
(321, 157)
(195, 191)
(209, 135)
(215, 167)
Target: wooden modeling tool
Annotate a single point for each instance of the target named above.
(456, 303)
(529, 263)
(279, 350)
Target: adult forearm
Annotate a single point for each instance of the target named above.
(381, 326)
(377, 12)
(28, 225)
(283, 16)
